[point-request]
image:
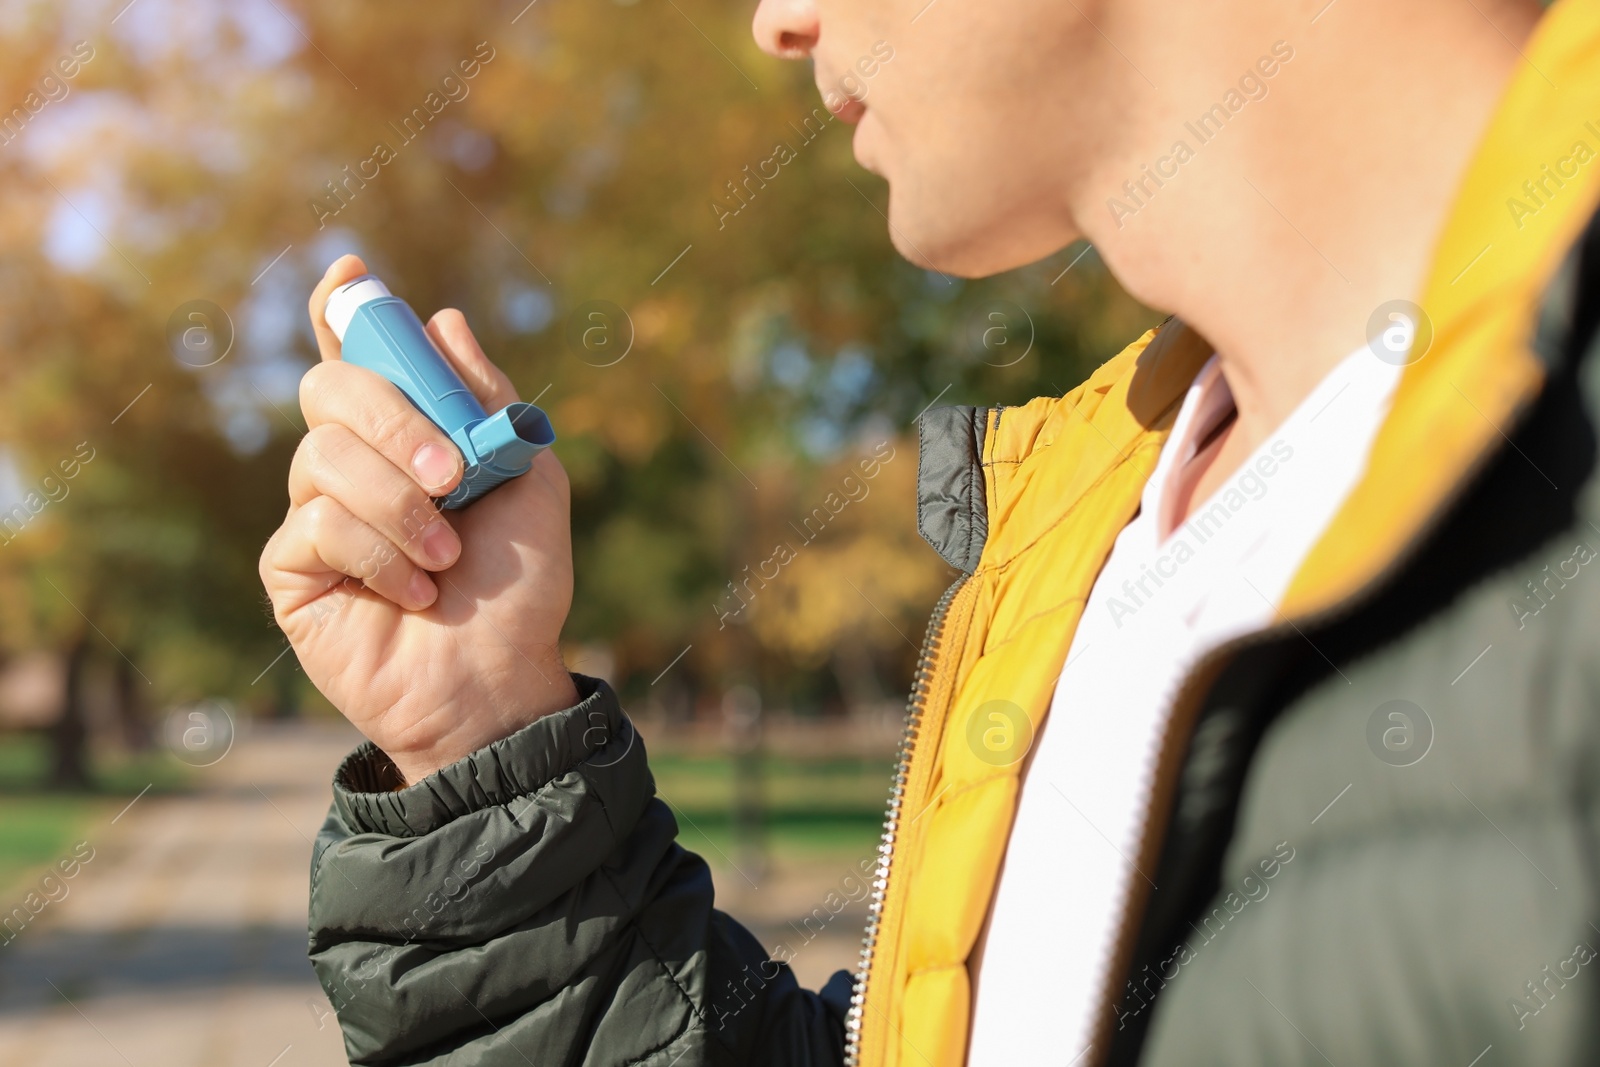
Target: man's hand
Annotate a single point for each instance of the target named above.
(434, 635)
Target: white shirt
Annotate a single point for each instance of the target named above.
(1162, 601)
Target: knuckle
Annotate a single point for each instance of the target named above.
(306, 452)
(392, 429)
(322, 447)
(302, 455)
(280, 614)
(319, 517)
(270, 564)
(264, 565)
(315, 385)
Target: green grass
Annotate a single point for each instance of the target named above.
(39, 826)
(37, 831)
(810, 809)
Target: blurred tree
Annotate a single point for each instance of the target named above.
(522, 162)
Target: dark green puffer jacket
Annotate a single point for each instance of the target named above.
(1442, 903)
(1434, 897)
(530, 905)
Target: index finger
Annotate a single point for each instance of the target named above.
(344, 269)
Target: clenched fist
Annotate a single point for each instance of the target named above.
(435, 633)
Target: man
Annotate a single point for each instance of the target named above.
(1261, 728)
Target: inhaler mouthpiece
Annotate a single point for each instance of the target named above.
(510, 438)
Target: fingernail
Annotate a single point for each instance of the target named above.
(440, 543)
(434, 466)
(422, 589)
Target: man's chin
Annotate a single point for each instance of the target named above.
(915, 252)
(863, 148)
(970, 245)
(932, 244)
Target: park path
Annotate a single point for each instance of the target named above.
(182, 943)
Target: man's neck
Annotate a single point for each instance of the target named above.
(1316, 203)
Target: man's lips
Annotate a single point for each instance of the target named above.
(849, 112)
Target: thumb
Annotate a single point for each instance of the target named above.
(454, 337)
(343, 269)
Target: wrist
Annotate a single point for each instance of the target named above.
(552, 690)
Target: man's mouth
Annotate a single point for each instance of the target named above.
(844, 105)
(850, 111)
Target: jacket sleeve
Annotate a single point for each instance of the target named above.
(530, 905)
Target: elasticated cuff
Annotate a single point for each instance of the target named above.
(592, 731)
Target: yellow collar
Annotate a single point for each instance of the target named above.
(1526, 197)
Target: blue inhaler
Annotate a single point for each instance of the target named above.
(379, 331)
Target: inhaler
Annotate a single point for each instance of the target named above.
(379, 331)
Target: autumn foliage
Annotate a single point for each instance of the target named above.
(537, 166)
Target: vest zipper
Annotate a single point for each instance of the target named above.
(915, 705)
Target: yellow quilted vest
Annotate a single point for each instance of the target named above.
(1062, 476)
